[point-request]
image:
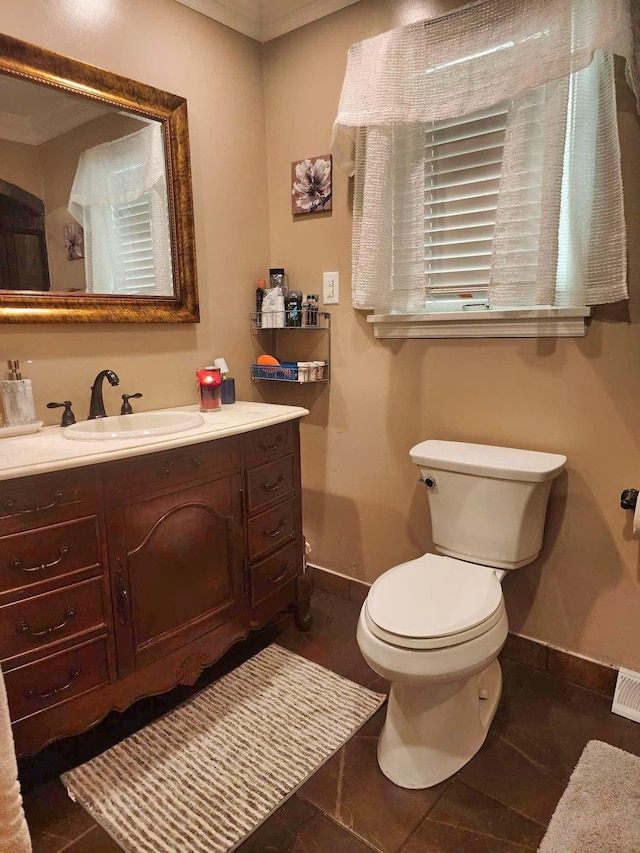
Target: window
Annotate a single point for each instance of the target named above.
(486, 164)
(134, 240)
(463, 163)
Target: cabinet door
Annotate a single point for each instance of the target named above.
(177, 567)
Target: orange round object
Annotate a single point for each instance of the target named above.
(267, 359)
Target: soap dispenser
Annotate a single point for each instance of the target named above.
(17, 397)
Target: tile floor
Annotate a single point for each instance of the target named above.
(500, 802)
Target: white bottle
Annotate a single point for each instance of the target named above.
(17, 397)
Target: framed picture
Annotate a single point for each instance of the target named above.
(311, 185)
(74, 241)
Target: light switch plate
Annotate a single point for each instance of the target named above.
(331, 288)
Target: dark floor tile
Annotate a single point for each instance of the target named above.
(547, 762)
(631, 739)
(348, 662)
(96, 840)
(358, 591)
(333, 624)
(435, 838)
(42, 842)
(352, 790)
(523, 650)
(468, 809)
(514, 677)
(504, 773)
(563, 717)
(50, 812)
(324, 581)
(297, 827)
(585, 673)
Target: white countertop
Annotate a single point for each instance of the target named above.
(47, 450)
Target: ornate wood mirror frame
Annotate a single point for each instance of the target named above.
(28, 62)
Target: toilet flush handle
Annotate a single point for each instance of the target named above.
(428, 481)
(629, 498)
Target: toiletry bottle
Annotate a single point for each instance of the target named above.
(293, 308)
(261, 284)
(311, 318)
(17, 397)
(278, 278)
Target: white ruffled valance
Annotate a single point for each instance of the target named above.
(544, 59)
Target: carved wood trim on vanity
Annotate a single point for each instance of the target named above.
(562, 664)
(172, 598)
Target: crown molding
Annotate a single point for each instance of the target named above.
(250, 18)
(242, 17)
(17, 128)
(277, 25)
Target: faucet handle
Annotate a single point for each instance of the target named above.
(126, 405)
(68, 417)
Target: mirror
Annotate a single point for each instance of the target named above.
(96, 211)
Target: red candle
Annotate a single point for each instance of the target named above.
(210, 386)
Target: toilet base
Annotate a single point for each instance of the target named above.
(431, 732)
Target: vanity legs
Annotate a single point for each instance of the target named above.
(302, 604)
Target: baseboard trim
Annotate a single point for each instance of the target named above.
(568, 666)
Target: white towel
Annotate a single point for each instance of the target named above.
(14, 833)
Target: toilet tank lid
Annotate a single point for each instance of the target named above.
(504, 463)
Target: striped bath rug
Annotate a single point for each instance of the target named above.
(206, 775)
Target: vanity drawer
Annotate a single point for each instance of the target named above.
(54, 679)
(271, 528)
(48, 554)
(46, 499)
(265, 444)
(39, 621)
(274, 572)
(175, 466)
(269, 482)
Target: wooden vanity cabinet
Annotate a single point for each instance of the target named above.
(176, 552)
(123, 579)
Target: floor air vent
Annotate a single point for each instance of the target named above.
(626, 699)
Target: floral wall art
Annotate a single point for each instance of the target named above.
(311, 185)
(74, 241)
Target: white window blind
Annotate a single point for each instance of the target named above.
(463, 164)
(133, 228)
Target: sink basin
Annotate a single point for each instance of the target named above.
(138, 425)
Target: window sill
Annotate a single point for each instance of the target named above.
(498, 323)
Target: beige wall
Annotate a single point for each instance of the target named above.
(364, 510)
(20, 165)
(219, 72)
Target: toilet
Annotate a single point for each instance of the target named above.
(434, 626)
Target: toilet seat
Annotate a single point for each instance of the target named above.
(433, 602)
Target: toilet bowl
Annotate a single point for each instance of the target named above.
(434, 626)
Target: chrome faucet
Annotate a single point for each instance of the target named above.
(96, 409)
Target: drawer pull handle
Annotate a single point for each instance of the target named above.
(32, 693)
(276, 443)
(273, 487)
(277, 531)
(191, 460)
(278, 577)
(10, 506)
(62, 553)
(25, 628)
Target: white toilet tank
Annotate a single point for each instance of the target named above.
(488, 504)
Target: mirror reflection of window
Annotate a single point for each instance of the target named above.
(43, 135)
(119, 196)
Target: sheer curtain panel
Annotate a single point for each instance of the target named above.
(548, 63)
(119, 196)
